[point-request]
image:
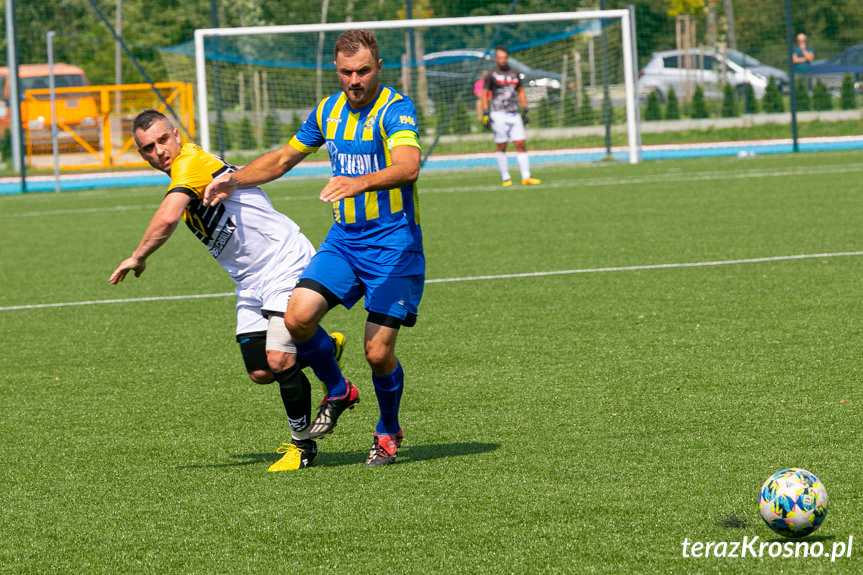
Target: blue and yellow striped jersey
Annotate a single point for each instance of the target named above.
(359, 142)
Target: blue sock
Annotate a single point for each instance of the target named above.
(318, 353)
(388, 389)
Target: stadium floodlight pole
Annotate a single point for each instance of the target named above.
(627, 31)
(118, 57)
(633, 33)
(409, 15)
(606, 99)
(623, 14)
(789, 40)
(52, 86)
(18, 163)
(319, 54)
(220, 120)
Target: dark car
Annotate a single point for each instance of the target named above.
(832, 70)
(453, 70)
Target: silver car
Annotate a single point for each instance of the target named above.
(707, 68)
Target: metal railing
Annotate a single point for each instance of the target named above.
(94, 122)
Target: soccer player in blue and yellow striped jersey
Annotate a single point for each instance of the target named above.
(374, 247)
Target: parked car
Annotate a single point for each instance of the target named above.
(832, 70)
(78, 111)
(707, 68)
(453, 70)
(750, 63)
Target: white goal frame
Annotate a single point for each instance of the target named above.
(627, 25)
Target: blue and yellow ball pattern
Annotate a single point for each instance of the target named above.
(793, 502)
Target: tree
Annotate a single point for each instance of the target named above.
(461, 120)
(6, 145)
(848, 97)
(731, 29)
(672, 107)
(585, 116)
(272, 130)
(544, 114)
(654, 29)
(423, 123)
(227, 143)
(684, 7)
(296, 123)
(750, 102)
(570, 110)
(247, 135)
(699, 106)
(441, 114)
(729, 102)
(821, 100)
(804, 104)
(652, 112)
(772, 103)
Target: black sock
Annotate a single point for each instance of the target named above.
(296, 392)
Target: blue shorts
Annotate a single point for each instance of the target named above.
(391, 280)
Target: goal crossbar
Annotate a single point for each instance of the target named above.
(625, 16)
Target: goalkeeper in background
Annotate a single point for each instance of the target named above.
(507, 94)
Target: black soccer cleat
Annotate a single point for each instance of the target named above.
(330, 409)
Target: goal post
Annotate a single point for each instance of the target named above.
(624, 42)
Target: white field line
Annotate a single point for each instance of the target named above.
(655, 179)
(573, 184)
(646, 267)
(479, 278)
(72, 211)
(129, 208)
(106, 301)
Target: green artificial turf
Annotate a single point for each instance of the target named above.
(583, 422)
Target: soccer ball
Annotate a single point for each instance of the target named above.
(793, 502)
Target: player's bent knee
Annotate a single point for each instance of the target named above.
(261, 376)
(309, 303)
(381, 358)
(281, 353)
(300, 327)
(280, 361)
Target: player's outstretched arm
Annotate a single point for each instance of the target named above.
(161, 226)
(404, 170)
(271, 166)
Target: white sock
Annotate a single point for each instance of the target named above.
(503, 166)
(523, 165)
(303, 435)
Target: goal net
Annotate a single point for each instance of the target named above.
(257, 84)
